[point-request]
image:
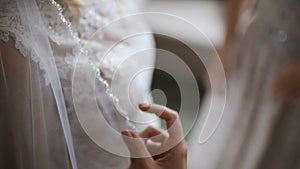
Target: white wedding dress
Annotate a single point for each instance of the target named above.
(32, 136)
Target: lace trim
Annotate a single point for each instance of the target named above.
(4, 36)
(58, 30)
(10, 25)
(58, 21)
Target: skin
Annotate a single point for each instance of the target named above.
(174, 158)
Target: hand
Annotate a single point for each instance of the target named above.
(164, 150)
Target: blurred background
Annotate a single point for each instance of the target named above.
(209, 17)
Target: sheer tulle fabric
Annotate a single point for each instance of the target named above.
(34, 125)
(31, 131)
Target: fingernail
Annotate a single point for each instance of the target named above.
(126, 133)
(144, 107)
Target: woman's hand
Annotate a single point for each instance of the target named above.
(160, 150)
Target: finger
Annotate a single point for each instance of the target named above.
(163, 112)
(155, 134)
(153, 147)
(138, 150)
(170, 116)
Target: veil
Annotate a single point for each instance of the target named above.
(34, 27)
(32, 104)
(39, 128)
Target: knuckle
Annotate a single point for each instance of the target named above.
(150, 128)
(175, 115)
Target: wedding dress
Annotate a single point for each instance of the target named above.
(35, 131)
(256, 130)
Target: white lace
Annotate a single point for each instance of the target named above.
(60, 21)
(67, 32)
(10, 25)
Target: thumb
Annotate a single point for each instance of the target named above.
(140, 156)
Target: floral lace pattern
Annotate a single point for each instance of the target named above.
(58, 27)
(63, 27)
(10, 25)
(67, 35)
